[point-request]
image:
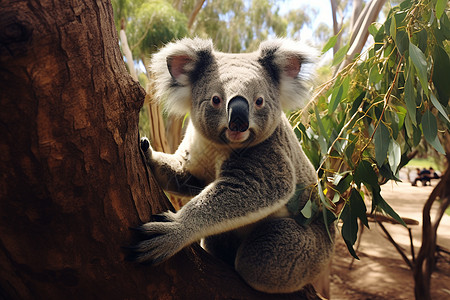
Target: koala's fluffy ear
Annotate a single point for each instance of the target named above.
(175, 68)
(284, 59)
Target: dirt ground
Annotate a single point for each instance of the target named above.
(381, 273)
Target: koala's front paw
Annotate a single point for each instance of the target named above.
(166, 238)
(145, 144)
(146, 148)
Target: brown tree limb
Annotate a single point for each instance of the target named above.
(425, 259)
(197, 6)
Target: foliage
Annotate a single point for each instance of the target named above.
(237, 25)
(375, 111)
(150, 24)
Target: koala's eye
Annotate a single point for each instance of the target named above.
(259, 102)
(216, 100)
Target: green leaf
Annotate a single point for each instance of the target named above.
(358, 207)
(386, 208)
(437, 145)
(417, 136)
(344, 184)
(365, 173)
(350, 249)
(336, 98)
(373, 30)
(410, 97)
(439, 106)
(307, 210)
(350, 226)
(429, 127)
(409, 127)
(379, 38)
(330, 44)
(395, 155)
(386, 172)
(322, 130)
(440, 74)
(349, 229)
(393, 118)
(340, 55)
(374, 75)
(422, 38)
(393, 29)
(440, 6)
(402, 41)
(420, 62)
(381, 141)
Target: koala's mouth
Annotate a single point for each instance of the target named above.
(237, 136)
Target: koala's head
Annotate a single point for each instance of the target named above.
(235, 99)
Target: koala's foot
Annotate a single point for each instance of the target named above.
(280, 256)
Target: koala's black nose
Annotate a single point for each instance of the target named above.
(238, 114)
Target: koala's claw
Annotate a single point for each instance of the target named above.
(162, 241)
(145, 144)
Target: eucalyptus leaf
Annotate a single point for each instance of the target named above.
(393, 28)
(307, 210)
(365, 173)
(344, 184)
(440, 7)
(381, 141)
(330, 44)
(429, 127)
(374, 75)
(373, 30)
(386, 207)
(410, 97)
(340, 55)
(336, 98)
(438, 106)
(402, 41)
(350, 226)
(322, 130)
(358, 207)
(440, 74)
(420, 63)
(395, 155)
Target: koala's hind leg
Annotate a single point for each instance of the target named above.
(223, 246)
(280, 256)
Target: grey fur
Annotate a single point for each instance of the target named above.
(243, 179)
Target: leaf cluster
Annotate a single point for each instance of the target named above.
(149, 24)
(368, 119)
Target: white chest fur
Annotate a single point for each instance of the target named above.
(204, 158)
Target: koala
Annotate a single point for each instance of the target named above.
(241, 162)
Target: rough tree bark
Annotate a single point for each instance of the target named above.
(72, 179)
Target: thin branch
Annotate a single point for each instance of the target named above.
(198, 5)
(397, 247)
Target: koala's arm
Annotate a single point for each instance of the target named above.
(169, 172)
(247, 190)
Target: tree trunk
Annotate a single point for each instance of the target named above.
(73, 180)
(425, 260)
